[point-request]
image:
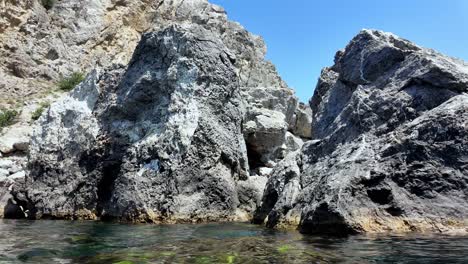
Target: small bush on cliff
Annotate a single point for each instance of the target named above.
(7, 117)
(68, 83)
(48, 4)
(38, 112)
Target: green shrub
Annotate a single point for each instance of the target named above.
(38, 112)
(68, 83)
(48, 4)
(7, 117)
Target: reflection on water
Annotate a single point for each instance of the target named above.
(95, 242)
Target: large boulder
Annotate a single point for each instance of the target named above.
(158, 141)
(389, 144)
(14, 143)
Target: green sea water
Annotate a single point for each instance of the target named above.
(96, 242)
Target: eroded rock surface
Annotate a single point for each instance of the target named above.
(390, 130)
(197, 123)
(160, 140)
(301, 124)
(41, 45)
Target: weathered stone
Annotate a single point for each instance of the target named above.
(264, 136)
(15, 139)
(390, 128)
(17, 176)
(74, 36)
(4, 173)
(78, 36)
(291, 143)
(265, 171)
(6, 164)
(102, 150)
(301, 124)
(7, 208)
(280, 196)
(250, 194)
(269, 114)
(181, 133)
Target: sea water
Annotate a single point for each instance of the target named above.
(96, 242)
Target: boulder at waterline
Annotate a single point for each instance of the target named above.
(158, 141)
(390, 130)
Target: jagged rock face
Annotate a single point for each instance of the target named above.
(159, 141)
(198, 121)
(39, 45)
(388, 151)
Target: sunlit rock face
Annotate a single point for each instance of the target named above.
(181, 119)
(41, 45)
(389, 130)
(99, 38)
(159, 140)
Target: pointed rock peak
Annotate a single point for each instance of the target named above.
(370, 54)
(377, 37)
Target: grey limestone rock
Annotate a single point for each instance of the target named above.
(280, 195)
(41, 45)
(183, 120)
(301, 124)
(15, 139)
(389, 144)
(158, 141)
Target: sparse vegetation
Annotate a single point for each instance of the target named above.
(68, 83)
(48, 4)
(38, 112)
(7, 117)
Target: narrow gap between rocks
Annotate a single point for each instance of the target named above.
(255, 158)
(105, 186)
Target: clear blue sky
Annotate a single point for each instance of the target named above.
(303, 35)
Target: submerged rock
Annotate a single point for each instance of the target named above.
(389, 144)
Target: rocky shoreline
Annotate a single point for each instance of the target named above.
(191, 124)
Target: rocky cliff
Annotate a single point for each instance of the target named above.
(197, 94)
(390, 130)
(181, 119)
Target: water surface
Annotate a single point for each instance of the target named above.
(96, 242)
